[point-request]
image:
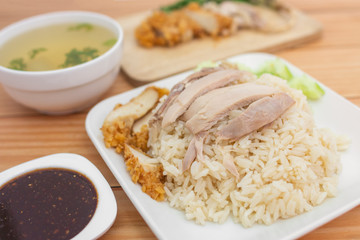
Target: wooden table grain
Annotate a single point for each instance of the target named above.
(25, 134)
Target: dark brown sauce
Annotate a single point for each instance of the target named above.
(46, 204)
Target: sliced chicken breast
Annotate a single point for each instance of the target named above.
(198, 88)
(206, 110)
(179, 87)
(257, 115)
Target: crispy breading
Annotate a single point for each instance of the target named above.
(170, 29)
(162, 29)
(150, 181)
(140, 139)
(118, 132)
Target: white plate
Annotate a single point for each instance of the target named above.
(106, 208)
(331, 111)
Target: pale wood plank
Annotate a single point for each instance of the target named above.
(29, 137)
(337, 27)
(12, 11)
(326, 6)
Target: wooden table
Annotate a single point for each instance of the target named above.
(26, 134)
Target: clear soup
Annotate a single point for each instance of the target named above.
(56, 47)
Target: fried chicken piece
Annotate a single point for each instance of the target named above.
(146, 171)
(212, 19)
(140, 139)
(118, 124)
(162, 29)
(126, 129)
(170, 29)
(116, 134)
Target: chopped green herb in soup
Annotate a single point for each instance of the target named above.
(81, 26)
(17, 64)
(110, 42)
(35, 52)
(76, 57)
(56, 47)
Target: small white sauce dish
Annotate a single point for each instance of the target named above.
(66, 90)
(106, 209)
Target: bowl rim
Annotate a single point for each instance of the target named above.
(106, 209)
(59, 14)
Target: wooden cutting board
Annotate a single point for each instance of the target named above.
(146, 65)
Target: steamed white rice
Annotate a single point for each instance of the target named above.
(285, 168)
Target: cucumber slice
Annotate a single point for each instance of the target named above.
(277, 68)
(308, 86)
